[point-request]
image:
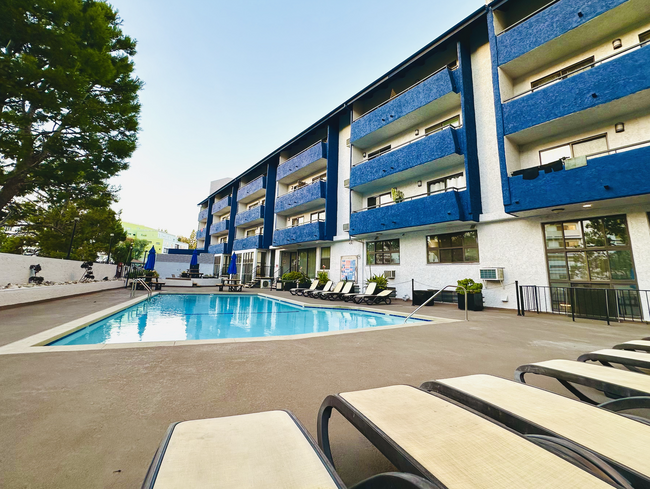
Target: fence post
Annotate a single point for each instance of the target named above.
(573, 312)
(536, 300)
(607, 305)
(412, 291)
(517, 295)
(523, 305)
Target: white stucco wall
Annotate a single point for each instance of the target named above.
(166, 265)
(14, 269)
(12, 297)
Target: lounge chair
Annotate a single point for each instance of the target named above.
(383, 296)
(370, 290)
(615, 383)
(326, 287)
(337, 288)
(428, 435)
(333, 295)
(300, 290)
(263, 450)
(637, 345)
(621, 442)
(631, 360)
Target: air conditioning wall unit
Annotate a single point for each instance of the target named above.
(495, 273)
(389, 274)
(346, 226)
(265, 283)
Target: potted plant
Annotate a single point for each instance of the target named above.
(323, 278)
(380, 280)
(474, 295)
(397, 195)
(291, 280)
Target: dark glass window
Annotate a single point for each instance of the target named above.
(562, 73)
(383, 252)
(325, 258)
(453, 248)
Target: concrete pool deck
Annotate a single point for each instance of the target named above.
(95, 418)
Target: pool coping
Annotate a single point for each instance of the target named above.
(38, 342)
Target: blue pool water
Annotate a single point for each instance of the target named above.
(201, 317)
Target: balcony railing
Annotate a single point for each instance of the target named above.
(521, 21)
(252, 187)
(312, 194)
(203, 215)
(222, 204)
(201, 233)
(412, 197)
(218, 249)
(220, 227)
(248, 243)
(301, 233)
(250, 215)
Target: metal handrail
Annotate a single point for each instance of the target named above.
(144, 284)
(302, 224)
(306, 149)
(412, 197)
(521, 21)
(578, 70)
(615, 150)
(434, 295)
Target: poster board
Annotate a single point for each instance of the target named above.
(349, 268)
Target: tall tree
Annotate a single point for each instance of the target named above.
(68, 97)
(191, 241)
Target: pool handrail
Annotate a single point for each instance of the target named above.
(431, 298)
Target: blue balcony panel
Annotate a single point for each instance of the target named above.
(608, 83)
(201, 233)
(550, 25)
(222, 206)
(252, 191)
(438, 150)
(220, 227)
(203, 215)
(432, 209)
(218, 249)
(308, 162)
(250, 243)
(308, 197)
(314, 231)
(251, 216)
(435, 95)
(615, 176)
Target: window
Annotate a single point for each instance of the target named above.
(453, 122)
(644, 36)
(563, 73)
(296, 186)
(256, 204)
(223, 239)
(224, 217)
(322, 177)
(379, 200)
(317, 216)
(297, 221)
(383, 252)
(379, 152)
(453, 248)
(453, 182)
(581, 147)
(325, 258)
(254, 231)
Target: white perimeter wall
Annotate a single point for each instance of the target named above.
(14, 269)
(166, 265)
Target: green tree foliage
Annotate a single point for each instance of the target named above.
(191, 241)
(139, 248)
(68, 98)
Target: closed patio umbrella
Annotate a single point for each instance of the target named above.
(232, 269)
(151, 259)
(195, 258)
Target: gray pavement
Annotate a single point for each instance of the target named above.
(94, 419)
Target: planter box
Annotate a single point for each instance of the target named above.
(474, 302)
(289, 285)
(206, 282)
(421, 296)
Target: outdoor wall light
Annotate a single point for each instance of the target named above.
(619, 127)
(419, 183)
(586, 206)
(363, 154)
(617, 43)
(417, 132)
(559, 209)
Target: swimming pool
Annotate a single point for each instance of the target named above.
(176, 317)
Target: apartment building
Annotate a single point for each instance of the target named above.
(515, 147)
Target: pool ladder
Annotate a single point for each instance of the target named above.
(134, 286)
(439, 292)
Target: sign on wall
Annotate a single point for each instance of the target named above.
(349, 268)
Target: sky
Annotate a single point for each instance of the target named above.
(228, 82)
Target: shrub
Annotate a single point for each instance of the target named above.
(380, 280)
(323, 278)
(294, 277)
(471, 286)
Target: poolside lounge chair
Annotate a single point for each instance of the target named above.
(333, 295)
(262, 450)
(434, 437)
(326, 287)
(611, 381)
(383, 296)
(621, 442)
(300, 290)
(636, 345)
(370, 290)
(631, 360)
(337, 288)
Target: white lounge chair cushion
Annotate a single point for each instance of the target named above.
(609, 434)
(638, 345)
(260, 450)
(461, 449)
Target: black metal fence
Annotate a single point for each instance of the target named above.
(582, 302)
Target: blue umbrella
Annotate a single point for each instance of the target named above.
(151, 259)
(195, 258)
(232, 269)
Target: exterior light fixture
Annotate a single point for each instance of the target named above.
(364, 155)
(417, 132)
(617, 43)
(619, 127)
(559, 209)
(419, 183)
(586, 205)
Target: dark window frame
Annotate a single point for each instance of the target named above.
(445, 179)
(383, 252)
(561, 73)
(644, 36)
(570, 144)
(323, 264)
(439, 126)
(463, 247)
(379, 152)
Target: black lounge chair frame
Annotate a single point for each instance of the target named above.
(401, 459)
(631, 364)
(629, 347)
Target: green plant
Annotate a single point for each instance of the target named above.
(294, 277)
(471, 286)
(151, 273)
(397, 195)
(323, 278)
(380, 280)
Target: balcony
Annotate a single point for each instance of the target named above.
(432, 96)
(422, 211)
(250, 217)
(203, 215)
(555, 24)
(222, 206)
(607, 81)
(249, 243)
(252, 191)
(218, 249)
(312, 231)
(304, 163)
(614, 174)
(200, 234)
(308, 197)
(220, 228)
(435, 151)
